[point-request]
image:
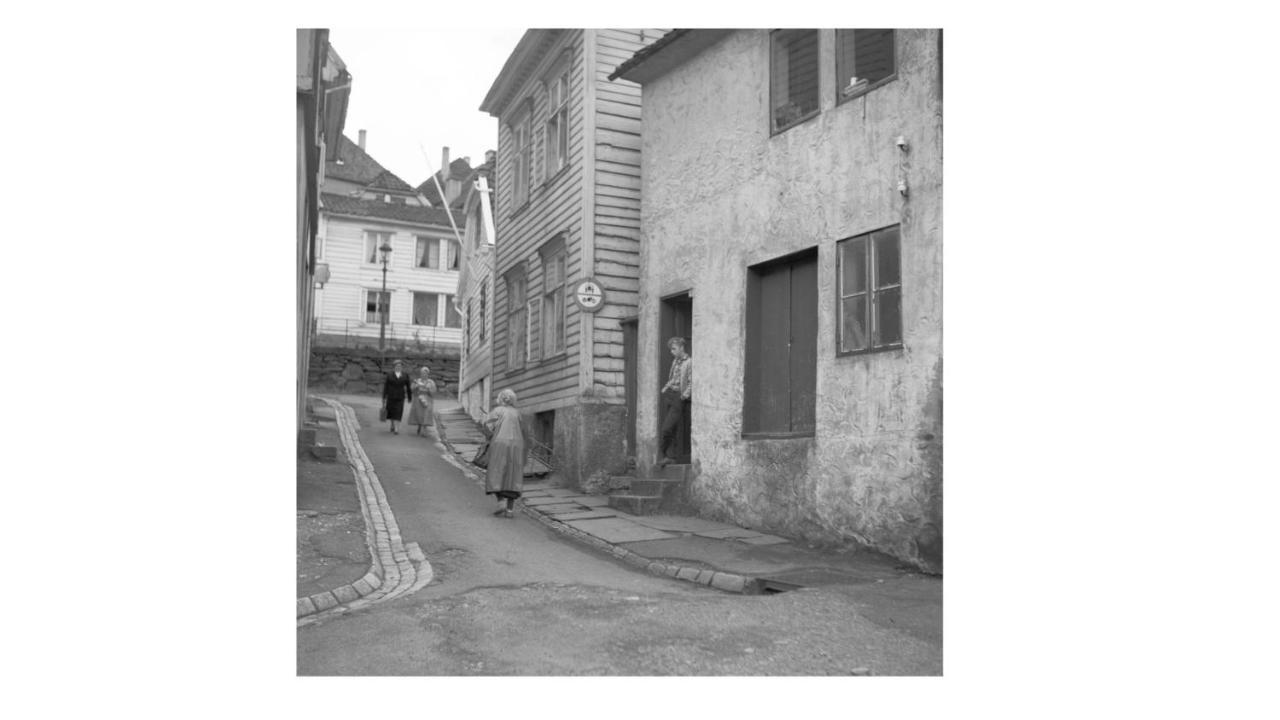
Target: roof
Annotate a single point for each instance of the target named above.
(387, 180)
(344, 205)
(674, 48)
(359, 167)
(459, 169)
(524, 59)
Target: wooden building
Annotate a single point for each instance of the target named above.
(365, 206)
(324, 86)
(475, 292)
(567, 210)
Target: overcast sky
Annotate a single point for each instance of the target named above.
(414, 89)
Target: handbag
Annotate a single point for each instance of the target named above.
(382, 414)
(482, 456)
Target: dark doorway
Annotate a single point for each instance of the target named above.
(544, 428)
(629, 329)
(676, 320)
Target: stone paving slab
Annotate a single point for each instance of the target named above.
(561, 492)
(582, 515)
(592, 500)
(677, 523)
(763, 540)
(542, 500)
(617, 530)
(728, 532)
(560, 509)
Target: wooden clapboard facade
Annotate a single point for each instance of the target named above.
(567, 208)
(475, 293)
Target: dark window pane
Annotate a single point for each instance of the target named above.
(774, 333)
(853, 324)
(887, 270)
(853, 266)
(804, 343)
(451, 316)
(889, 317)
(794, 75)
(424, 309)
(863, 57)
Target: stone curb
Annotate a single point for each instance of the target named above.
(728, 582)
(395, 568)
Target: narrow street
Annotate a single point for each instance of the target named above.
(509, 597)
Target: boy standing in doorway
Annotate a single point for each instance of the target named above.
(676, 397)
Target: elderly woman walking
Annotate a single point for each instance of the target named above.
(507, 453)
(424, 390)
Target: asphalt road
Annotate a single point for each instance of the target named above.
(512, 598)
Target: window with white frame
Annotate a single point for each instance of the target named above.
(556, 145)
(426, 309)
(869, 278)
(521, 149)
(553, 309)
(377, 304)
(865, 59)
(436, 253)
(372, 241)
(793, 77)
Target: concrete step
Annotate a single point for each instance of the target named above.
(635, 504)
(653, 486)
(671, 472)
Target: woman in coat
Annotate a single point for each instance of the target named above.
(395, 390)
(507, 453)
(424, 390)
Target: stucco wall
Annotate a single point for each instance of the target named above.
(720, 195)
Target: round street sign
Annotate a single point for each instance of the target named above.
(589, 295)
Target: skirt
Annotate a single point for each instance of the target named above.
(420, 412)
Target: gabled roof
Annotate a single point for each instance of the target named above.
(520, 65)
(344, 205)
(359, 167)
(459, 170)
(674, 48)
(387, 180)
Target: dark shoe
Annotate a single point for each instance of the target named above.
(499, 512)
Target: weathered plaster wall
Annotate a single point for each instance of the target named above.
(720, 195)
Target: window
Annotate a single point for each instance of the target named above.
(781, 347)
(373, 241)
(517, 322)
(376, 305)
(864, 59)
(466, 330)
(553, 262)
(530, 309)
(451, 317)
(520, 170)
(793, 77)
(870, 285)
(426, 309)
(557, 131)
(484, 297)
(429, 250)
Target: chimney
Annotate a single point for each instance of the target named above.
(361, 140)
(490, 156)
(444, 160)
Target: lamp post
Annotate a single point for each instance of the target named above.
(383, 303)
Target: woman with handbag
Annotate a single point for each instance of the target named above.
(421, 409)
(504, 477)
(395, 390)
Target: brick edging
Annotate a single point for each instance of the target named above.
(396, 567)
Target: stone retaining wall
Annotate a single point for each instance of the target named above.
(358, 370)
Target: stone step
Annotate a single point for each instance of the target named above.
(671, 472)
(653, 486)
(635, 504)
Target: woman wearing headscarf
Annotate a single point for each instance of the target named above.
(507, 453)
(395, 390)
(424, 390)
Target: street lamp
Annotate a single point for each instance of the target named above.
(385, 249)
